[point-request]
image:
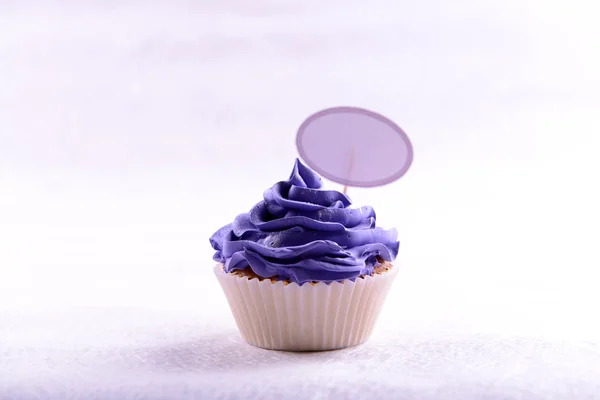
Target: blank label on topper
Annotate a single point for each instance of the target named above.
(354, 147)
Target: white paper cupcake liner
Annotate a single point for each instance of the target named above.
(308, 317)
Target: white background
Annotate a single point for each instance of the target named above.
(130, 131)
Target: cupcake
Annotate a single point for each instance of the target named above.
(303, 270)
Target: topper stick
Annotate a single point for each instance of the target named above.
(350, 167)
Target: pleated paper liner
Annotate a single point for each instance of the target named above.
(312, 317)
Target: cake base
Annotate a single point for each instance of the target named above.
(281, 315)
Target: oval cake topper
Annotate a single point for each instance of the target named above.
(354, 147)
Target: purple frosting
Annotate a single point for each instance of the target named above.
(302, 233)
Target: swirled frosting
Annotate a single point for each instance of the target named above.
(302, 233)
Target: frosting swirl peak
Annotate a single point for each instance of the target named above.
(302, 233)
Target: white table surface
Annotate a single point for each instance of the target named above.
(130, 131)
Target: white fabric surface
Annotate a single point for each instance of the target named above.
(143, 354)
(130, 131)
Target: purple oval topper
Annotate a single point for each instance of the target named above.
(354, 147)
